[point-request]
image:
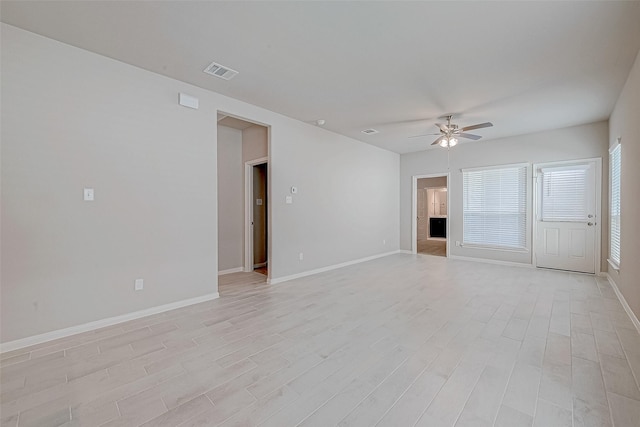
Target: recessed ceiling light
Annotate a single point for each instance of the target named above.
(370, 131)
(220, 71)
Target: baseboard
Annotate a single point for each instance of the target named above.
(262, 264)
(328, 268)
(230, 270)
(491, 261)
(61, 333)
(405, 251)
(627, 309)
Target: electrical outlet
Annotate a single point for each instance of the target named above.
(384, 241)
(139, 285)
(301, 256)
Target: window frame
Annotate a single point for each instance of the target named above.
(527, 209)
(617, 147)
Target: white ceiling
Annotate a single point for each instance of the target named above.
(392, 66)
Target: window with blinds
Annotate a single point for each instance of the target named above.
(565, 193)
(495, 207)
(614, 213)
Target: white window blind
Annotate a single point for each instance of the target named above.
(495, 207)
(614, 167)
(564, 193)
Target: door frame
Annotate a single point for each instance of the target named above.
(598, 207)
(414, 209)
(248, 211)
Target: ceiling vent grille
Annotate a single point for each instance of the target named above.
(220, 71)
(370, 131)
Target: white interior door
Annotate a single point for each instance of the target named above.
(566, 217)
(423, 217)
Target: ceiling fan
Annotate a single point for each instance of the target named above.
(449, 133)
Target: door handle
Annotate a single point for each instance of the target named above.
(589, 216)
(589, 223)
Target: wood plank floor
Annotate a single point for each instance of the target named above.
(399, 341)
(432, 247)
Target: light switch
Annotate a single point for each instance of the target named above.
(139, 284)
(288, 200)
(259, 202)
(88, 194)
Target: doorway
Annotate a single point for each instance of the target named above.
(243, 198)
(430, 215)
(257, 233)
(567, 217)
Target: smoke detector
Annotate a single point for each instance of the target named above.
(220, 71)
(370, 131)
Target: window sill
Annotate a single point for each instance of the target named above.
(494, 248)
(613, 265)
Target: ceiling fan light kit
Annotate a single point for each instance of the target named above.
(446, 143)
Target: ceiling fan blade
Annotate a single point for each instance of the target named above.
(426, 134)
(478, 126)
(470, 136)
(437, 141)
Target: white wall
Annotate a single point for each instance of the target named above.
(625, 123)
(88, 121)
(580, 142)
(347, 201)
(74, 119)
(230, 199)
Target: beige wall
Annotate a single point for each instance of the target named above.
(230, 198)
(73, 119)
(625, 124)
(255, 143)
(580, 142)
(440, 181)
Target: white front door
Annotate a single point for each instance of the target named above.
(566, 216)
(423, 217)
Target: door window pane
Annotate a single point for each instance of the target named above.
(564, 193)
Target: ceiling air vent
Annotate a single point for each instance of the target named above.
(370, 131)
(220, 71)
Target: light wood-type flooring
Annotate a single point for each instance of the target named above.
(262, 270)
(432, 247)
(404, 340)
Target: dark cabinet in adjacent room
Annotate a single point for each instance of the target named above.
(438, 227)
